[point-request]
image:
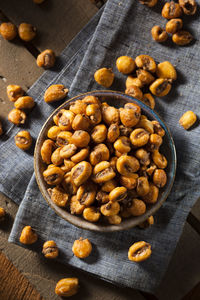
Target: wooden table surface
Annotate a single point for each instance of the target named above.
(23, 274)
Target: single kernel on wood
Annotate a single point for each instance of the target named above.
(28, 236)
(188, 119)
(67, 287)
(1, 129)
(17, 116)
(82, 248)
(139, 251)
(55, 92)
(24, 102)
(2, 214)
(23, 140)
(125, 64)
(14, 92)
(8, 31)
(166, 70)
(182, 38)
(50, 249)
(27, 32)
(46, 59)
(104, 77)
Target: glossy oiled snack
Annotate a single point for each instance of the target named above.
(125, 64)
(26, 31)
(82, 248)
(104, 77)
(24, 102)
(67, 287)
(8, 31)
(23, 140)
(14, 92)
(160, 87)
(159, 34)
(182, 38)
(104, 163)
(17, 116)
(2, 214)
(133, 81)
(139, 251)
(188, 119)
(171, 10)
(55, 92)
(28, 236)
(189, 7)
(50, 250)
(134, 91)
(149, 3)
(145, 76)
(146, 62)
(174, 25)
(166, 70)
(46, 59)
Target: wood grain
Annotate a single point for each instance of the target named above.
(14, 286)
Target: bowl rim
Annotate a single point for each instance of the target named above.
(76, 220)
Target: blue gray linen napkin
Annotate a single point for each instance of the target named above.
(122, 29)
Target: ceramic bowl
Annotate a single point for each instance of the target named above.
(116, 99)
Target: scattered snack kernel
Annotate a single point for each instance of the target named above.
(82, 248)
(17, 116)
(148, 99)
(67, 287)
(46, 59)
(149, 3)
(171, 10)
(174, 25)
(188, 119)
(14, 92)
(166, 70)
(50, 250)
(23, 140)
(125, 64)
(24, 102)
(139, 251)
(104, 77)
(55, 92)
(28, 236)
(27, 32)
(2, 214)
(189, 7)
(146, 62)
(182, 38)
(160, 87)
(159, 34)
(8, 31)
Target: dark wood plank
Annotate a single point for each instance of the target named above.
(196, 210)
(184, 269)
(57, 21)
(194, 294)
(14, 286)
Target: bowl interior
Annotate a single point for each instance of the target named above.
(116, 99)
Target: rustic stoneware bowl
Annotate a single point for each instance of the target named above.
(116, 99)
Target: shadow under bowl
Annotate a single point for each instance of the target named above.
(118, 100)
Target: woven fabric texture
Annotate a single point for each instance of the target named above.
(122, 28)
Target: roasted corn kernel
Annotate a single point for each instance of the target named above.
(149, 3)
(114, 220)
(82, 248)
(14, 92)
(110, 115)
(118, 194)
(94, 113)
(67, 287)
(50, 250)
(166, 70)
(133, 81)
(23, 140)
(24, 102)
(56, 158)
(159, 34)
(8, 31)
(86, 194)
(46, 59)
(160, 87)
(139, 137)
(17, 116)
(137, 207)
(173, 26)
(134, 91)
(113, 133)
(99, 133)
(171, 10)
(75, 206)
(127, 165)
(80, 156)
(110, 209)
(91, 214)
(55, 92)
(59, 196)
(159, 178)
(81, 172)
(53, 132)
(139, 251)
(104, 77)
(159, 159)
(182, 38)
(145, 77)
(53, 175)
(189, 7)
(28, 236)
(27, 32)
(66, 119)
(152, 195)
(81, 122)
(125, 64)
(103, 172)
(188, 119)
(99, 153)
(46, 151)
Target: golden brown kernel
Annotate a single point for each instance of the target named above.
(8, 31)
(28, 236)
(129, 116)
(94, 113)
(159, 159)
(188, 119)
(139, 137)
(53, 132)
(59, 196)
(113, 133)
(134, 91)
(75, 206)
(159, 34)
(118, 194)
(146, 62)
(56, 158)
(2, 214)
(125, 64)
(127, 165)
(166, 70)
(146, 124)
(91, 214)
(91, 100)
(82, 248)
(128, 182)
(102, 197)
(143, 156)
(147, 223)
(110, 209)
(46, 59)
(133, 81)
(67, 287)
(157, 128)
(80, 138)
(173, 26)
(171, 10)
(182, 38)
(149, 3)
(145, 77)
(98, 154)
(139, 251)
(142, 186)
(159, 178)
(67, 151)
(27, 32)
(55, 92)
(152, 195)
(46, 151)
(80, 156)
(81, 122)
(53, 175)
(23, 140)
(189, 7)
(99, 133)
(50, 249)
(103, 172)
(66, 119)
(137, 208)
(81, 172)
(17, 116)
(86, 194)
(114, 220)
(63, 138)
(160, 87)
(14, 92)
(110, 115)
(78, 107)
(104, 77)
(24, 102)
(109, 185)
